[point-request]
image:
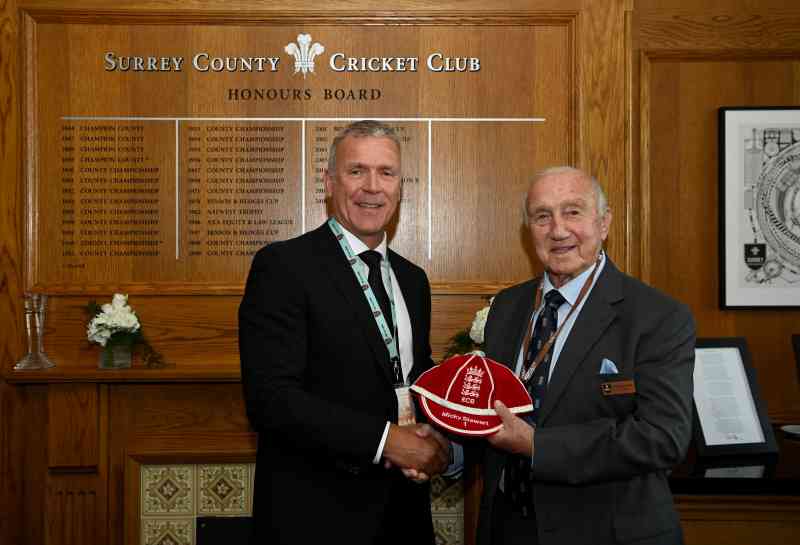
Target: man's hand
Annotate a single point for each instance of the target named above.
(419, 450)
(515, 436)
(425, 430)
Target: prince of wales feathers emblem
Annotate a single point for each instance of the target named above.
(304, 55)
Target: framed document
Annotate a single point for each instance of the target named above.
(750, 467)
(759, 220)
(730, 417)
(735, 472)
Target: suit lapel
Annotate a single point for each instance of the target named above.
(595, 317)
(408, 285)
(341, 275)
(520, 315)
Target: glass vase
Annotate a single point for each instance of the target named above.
(117, 354)
(35, 313)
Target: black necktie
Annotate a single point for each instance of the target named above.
(518, 468)
(373, 261)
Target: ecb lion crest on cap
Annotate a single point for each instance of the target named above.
(458, 395)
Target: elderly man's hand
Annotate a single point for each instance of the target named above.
(419, 450)
(515, 436)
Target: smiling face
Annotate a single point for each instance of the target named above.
(365, 187)
(567, 228)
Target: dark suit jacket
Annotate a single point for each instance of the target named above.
(318, 390)
(600, 462)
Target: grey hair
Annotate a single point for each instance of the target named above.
(601, 200)
(360, 129)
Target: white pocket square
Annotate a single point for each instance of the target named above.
(607, 367)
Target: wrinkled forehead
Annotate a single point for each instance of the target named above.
(365, 144)
(556, 189)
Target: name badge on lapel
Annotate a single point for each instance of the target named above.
(618, 387)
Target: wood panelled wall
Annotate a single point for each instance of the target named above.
(651, 75)
(686, 64)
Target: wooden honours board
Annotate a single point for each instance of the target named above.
(163, 156)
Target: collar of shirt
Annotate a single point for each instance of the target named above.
(358, 245)
(572, 289)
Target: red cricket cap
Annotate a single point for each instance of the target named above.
(459, 394)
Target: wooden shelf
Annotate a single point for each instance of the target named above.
(135, 374)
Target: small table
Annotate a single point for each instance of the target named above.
(740, 500)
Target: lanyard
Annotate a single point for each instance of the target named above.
(526, 377)
(389, 338)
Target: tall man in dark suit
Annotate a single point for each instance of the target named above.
(612, 392)
(328, 336)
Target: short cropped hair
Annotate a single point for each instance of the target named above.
(601, 200)
(360, 129)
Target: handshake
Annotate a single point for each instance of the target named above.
(418, 450)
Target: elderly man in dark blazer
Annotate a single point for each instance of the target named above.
(611, 377)
(320, 380)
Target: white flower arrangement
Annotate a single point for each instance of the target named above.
(115, 324)
(472, 339)
(115, 319)
(479, 324)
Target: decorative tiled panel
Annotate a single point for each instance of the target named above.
(223, 489)
(449, 530)
(157, 531)
(167, 490)
(447, 506)
(447, 495)
(173, 496)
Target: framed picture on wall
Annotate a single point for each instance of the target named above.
(729, 417)
(759, 208)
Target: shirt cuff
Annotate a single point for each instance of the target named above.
(379, 454)
(457, 464)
